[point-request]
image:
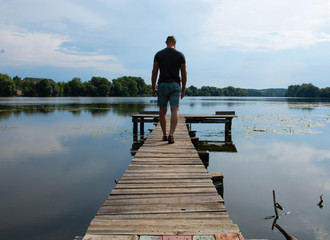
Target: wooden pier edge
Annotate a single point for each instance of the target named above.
(220, 236)
(165, 193)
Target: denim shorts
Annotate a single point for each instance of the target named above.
(169, 91)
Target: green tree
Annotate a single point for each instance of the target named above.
(29, 89)
(117, 88)
(61, 86)
(188, 92)
(18, 82)
(229, 91)
(102, 85)
(292, 91)
(142, 87)
(56, 89)
(194, 90)
(325, 92)
(77, 88)
(7, 86)
(130, 87)
(308, 90)
(204, 91)
(91, 90)
(44, 88)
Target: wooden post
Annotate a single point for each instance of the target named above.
(135, 128)
(228, 138)
(192, 133)
(195, 141)
(142, 128)
(217, 179)
(205, 157)
(228, 126)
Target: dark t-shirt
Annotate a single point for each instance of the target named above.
(169, 62)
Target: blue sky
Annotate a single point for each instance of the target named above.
(242, 43)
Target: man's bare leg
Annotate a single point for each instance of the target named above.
(174, 119)
(162, 119)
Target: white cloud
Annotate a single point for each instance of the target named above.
(33, 11)
(260, 24)
(22, 47)
(119, 36)
(33, 33)
(43, 139)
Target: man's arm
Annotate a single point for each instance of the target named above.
(154, 78)
(184, 79)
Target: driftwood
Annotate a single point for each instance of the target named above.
(287, 236)
(278, 206)
(320, 204)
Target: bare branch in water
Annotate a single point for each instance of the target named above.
(320, 204)
(278, 206)
(287, 236)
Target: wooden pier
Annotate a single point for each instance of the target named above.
(166, 193)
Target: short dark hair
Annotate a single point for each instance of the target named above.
(171, 39)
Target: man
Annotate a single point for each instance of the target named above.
(169, 61)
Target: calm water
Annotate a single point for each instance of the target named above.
(59, 158)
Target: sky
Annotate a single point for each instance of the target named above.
(242, 43)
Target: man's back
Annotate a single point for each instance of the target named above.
(169, 61)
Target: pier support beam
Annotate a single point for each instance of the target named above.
(205, 157)
(217, 179)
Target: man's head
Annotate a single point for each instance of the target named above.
(171, 41)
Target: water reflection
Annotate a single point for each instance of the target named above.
(217, 146)
(95, 109)
(56, 170)
(320, 203)
(276, 217)
(59, 157)
(299, 171)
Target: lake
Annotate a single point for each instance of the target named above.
(59, 158)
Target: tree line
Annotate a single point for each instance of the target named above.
(128, 86)
(96, 87)
(307, 90)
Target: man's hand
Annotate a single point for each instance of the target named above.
(184, 79)
(154, 79)
(154, 92)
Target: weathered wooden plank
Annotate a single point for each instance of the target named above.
(196, 196)
(161, 185)
(193, 159)
(229, 236)
(166, 155)
(170, 175)
(164, 227)
(146, 222)
(110, 237)
(167, 216)
(208, 116)
(165, 170)
(164, 167)
(181, 151)
(166, 176)
(168, 199)
(165, 181)
(166, 162)
(162, 208)
(210, 189)
(155, 141)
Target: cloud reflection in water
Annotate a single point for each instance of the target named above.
(299, 173)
